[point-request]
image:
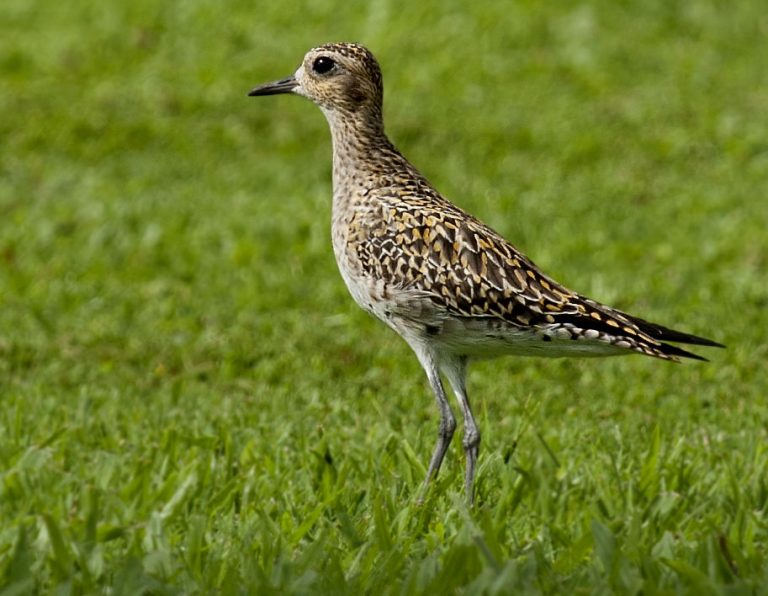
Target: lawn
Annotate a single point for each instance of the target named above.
(190, 402)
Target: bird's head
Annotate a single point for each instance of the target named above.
(338, 77)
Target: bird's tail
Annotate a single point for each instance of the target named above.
(665, 334)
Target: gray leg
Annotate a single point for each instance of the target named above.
(447, 419)
(447, 425)
(456, 372)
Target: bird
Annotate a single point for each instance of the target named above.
(453, 288)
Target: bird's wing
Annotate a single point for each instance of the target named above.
(427, 244)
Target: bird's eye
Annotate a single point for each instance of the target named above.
(322, 65)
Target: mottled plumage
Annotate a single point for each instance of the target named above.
(448, 284)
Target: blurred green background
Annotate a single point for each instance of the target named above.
(189, 400)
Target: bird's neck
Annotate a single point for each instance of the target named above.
(363, 157)
(357, 141)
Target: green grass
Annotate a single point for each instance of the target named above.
(190, 402)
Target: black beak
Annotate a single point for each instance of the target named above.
(275, 88)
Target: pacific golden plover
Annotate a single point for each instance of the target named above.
(448, 284)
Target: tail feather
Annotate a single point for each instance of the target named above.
(661, 333)
(676, 352)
